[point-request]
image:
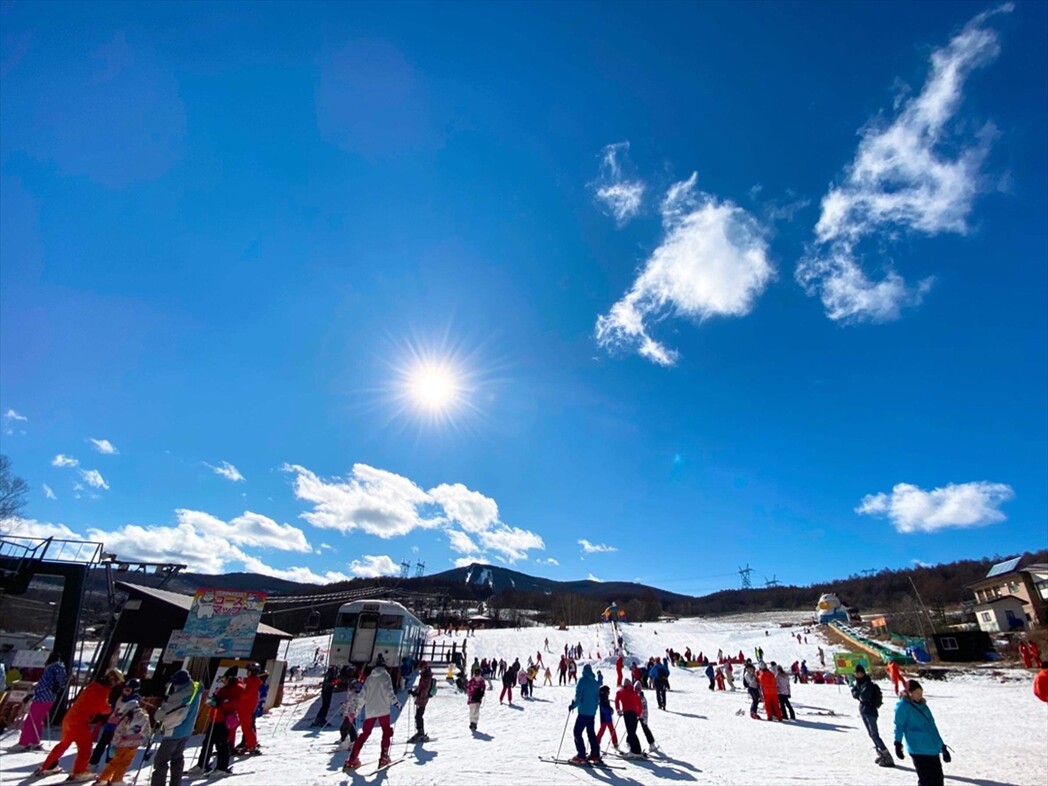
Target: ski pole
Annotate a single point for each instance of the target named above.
(145, 757)
(613, 735)
(562, 734)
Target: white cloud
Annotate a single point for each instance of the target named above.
(912, 173)
(103, 446)
(226, 470)
(591, 577)
(10, 418)
(388, 505)
(12, 415)
(622, 197)
(303, 575)
(595, 548)
(371, 566)
(547, 561)
(712, 261)
(912, 509)
(202, 551)
(248, 529)
(465, 562)
(94, 479)
(48, 492)
(18, 528)
(64, 461)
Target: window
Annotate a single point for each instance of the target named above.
(347, 619)
(367, 622)
(1013, 587)
(391, 621)
(986, 616)
(948, 643)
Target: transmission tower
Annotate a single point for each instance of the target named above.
(868, 571)
(420, 569)
(745, 573)
(772, 582)
(405, 569)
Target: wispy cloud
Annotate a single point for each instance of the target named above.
(912, 173)
(226, 470)
(48, 492)
(913, 509)
(103, 446)
(61, 460)
(94, 479)
(595, 548)
(546, 561)
(388, 505)
(10, 418)
(621, 196)
(712, 261)
(371, 566)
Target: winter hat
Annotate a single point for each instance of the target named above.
(605, 690)
(231, 673)
(380, 660)
(133, 683)
(253, 667)
(860, 669)
(180, 677)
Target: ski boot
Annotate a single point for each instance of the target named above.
(884, 758)
(384, 760)
(352, 764)
(595, 759)
(39, 772)
(577, 760)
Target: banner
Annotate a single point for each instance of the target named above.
(221, 623)
(847, 661)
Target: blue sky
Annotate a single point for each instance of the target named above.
(640, 291)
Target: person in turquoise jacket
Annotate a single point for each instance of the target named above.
(587, 700)
(915, 724)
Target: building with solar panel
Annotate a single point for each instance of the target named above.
(1012, 598)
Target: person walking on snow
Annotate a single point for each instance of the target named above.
(896, 676)
(327, 688)
(627, 702)
(48, 687)
(421, 692)
(659, 675)
(643, 717)
(729, 676)
(76, 727)
(607, 717)
(915, 724)
(710, 674)
(587, 701)
(378, 699)
(753, 687)
(562, 669)
(226, 702)
(618, 671)
(783, 679)
(175, 718)
(869, 696)
(130, 733)
(770, 692)
(474, 696)
(508, 680)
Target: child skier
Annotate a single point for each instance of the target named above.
(643, 717)
(347, 731)
(474, 696)
(131, 731)
(128, 693)
(422, 692)
(607, 717)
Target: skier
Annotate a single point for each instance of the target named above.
(474, 698)
(522, 682)
(627, 702)
(246, 710)
(350, 707)
(869, 696)
(378, 698)
(753, 687)
(548, 677)
(607, 717)
(659, 674)
(618, 672)
(130, 733)
(587, 701)
(710, 674)
(822, 658)
(76, 727)
(783, 680)
(128, 693)
(422, 692)
(573, 671)
(508, 680)
(915, 724)
(226, 702)
(327, 688)
(804, 672)
(175, 718)
(770, 691)
(643, 717)
(50, 684)
(720, 678)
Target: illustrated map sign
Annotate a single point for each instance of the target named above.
(221, 623)
(847, 661)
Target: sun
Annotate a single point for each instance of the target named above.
(434, 387)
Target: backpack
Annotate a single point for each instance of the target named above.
(876, 697)
(432, 688)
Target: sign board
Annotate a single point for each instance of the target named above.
(221, 623)
(30, 659)
(845, 662)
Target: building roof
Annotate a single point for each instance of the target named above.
(1037, 567)
(1001, 600)
(1004, 567)
(186, 602)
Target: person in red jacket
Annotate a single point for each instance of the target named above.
(627, 702)
(76, 727)
(1034, 649)
(1024, 655)
(896, 676)
(770, 691)
(246, 710)
(618, 672)
(1040, 682)
(226, 702)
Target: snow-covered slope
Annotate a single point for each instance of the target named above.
(998, 729)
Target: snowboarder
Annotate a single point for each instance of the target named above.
(50, 684)
(783, 680)
(770, 692)
(474, 698)
(378, 699)
(76, 727)
(915, 724)
(421, 692)
(607, 717)
(175, 718)
(586, 701)
(627, 702)
(132, 730)
(869, 696)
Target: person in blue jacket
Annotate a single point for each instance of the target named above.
(915, 724)
(587, 699)
(659, 676)
(175, 718)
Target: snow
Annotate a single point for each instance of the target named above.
(997, 728)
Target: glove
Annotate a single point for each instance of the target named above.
(571, 706)
(946, 754)
(396, 704)
(898, 750)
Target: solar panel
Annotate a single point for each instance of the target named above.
(1004, 567)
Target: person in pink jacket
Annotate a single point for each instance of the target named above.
(474, 696)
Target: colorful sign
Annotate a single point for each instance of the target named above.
(221, 623)
(846, 662)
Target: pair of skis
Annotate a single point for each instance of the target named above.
(568, 762)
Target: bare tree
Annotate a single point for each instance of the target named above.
(12, 491)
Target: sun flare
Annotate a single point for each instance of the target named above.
(433, 387)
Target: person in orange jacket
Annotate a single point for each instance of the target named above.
(246, 709)
(896, 676)
(76, 727)
(770, 691)
(618, 671)
(1040, 682)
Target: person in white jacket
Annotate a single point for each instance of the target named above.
(378, 699)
